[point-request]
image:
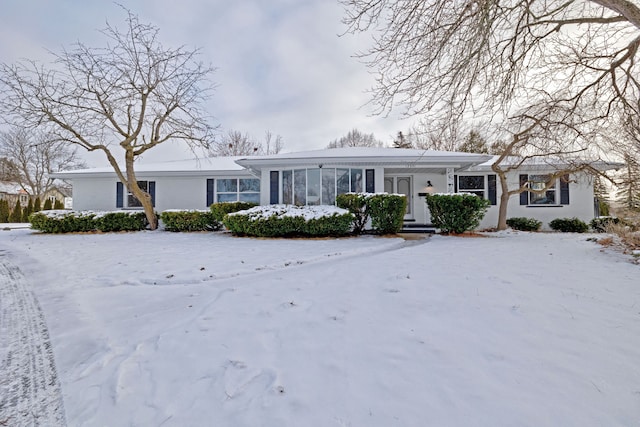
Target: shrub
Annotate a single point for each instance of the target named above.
(602, 223)
(16, 213)
(387, 212)
(62, 221)
(356, 203)
(219, 210)
(47, 205)
(289, 220)
(121, 221)
(456, 212)
(524, 224)
(190, 220)
(4, 211)
(569, 225)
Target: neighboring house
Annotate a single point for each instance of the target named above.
(316, 177)
(11, 191)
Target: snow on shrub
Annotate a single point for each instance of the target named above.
(190, 220)
(289, 220)
(385, 210)
(65, 221)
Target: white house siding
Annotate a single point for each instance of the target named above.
(94, 194)
(580, 203)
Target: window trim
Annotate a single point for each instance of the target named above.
(237, 193)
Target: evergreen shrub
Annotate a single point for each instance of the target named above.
(289, 220)
(121, 221)
(387, 212)
(356, 203)
(47, 205)
(4, 211)
(456, 212)
(190, 220)
(16, 213)
(569, 225)
(524, 224)
(219, 210)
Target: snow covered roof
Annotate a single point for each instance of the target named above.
(210, 165)
(369, 156)
(10, 188)
(546, 163)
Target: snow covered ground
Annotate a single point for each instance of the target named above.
(163, 329)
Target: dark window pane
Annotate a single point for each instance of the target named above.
(287, 187)
(250, 197)
(356, 180)
(342, 180)
(300, 187)
(470, 183)
(228, 197)
(247, 184)
(313, 186)
(227, 185)
(328, 186)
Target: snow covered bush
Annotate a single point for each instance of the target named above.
(356, 203)
(387, 212)
(289, 220)
(456, 212)
(219, 210)
(64, 221)
(190, 220)
(524, 224)
(569, 225)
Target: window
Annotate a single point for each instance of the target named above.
(238, 190)
(132, 202)
(319, 186)
(539, 182)
(24, 199)
(471, 184)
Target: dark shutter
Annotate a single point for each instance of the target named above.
(524, 196)
(370, 176)
(210, 182)
(491, 189)
(274, 187)
(455, 183)
(119, 194)
(564, 190)
(152, 192)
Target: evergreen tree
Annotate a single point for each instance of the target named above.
(37, 205)
(4, 211)
(629, 185)
(47, 205)
(58, 204)
(28, 210)
(16, 213)
(601, 193)
(401, 141)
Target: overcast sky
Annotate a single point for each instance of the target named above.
(281, 65)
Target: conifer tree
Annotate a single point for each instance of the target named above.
(16, 213)
(37, 205)
(47, 205)
(28, 210)
(4, 211)
(58, 204)
(629, 185)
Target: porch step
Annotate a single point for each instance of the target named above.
(412, 227)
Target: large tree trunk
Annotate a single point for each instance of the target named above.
(504, 200)
(142, 196)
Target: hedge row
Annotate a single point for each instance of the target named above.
(190, 220)
(289, 220)
(64, 221)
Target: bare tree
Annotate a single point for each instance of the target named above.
(535, 69)
(34, 156)
(355, 138)
(131, 95)
(236, 143)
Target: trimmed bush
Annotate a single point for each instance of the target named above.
(602, 223)
(64, 221)
(61, 221)
(121, 221)
(356, 203)
(289, 220)
(219, 210)
(569, 225)
(16, 213)
(456, 212)
(190, 220)
(524, 224)
(387, 212)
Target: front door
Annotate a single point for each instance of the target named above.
(401, 185)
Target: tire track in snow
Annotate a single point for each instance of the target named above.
(30, 393)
